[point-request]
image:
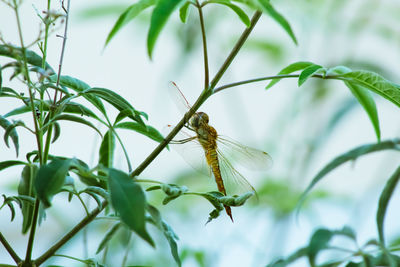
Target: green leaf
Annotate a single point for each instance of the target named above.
(68, 117)
(142, 129)
(183, 12)
(375, 83)
(300, 65)
(25, 188)
(368, 103)
(242, 15)
(57, 132)
(349, 156)
(308, 72)
(13, 133)
(1, 78)
(50, 179)
(129, 14)
(9, 163)
(16, 53)
(108, 237)
(117, 101)
(318, 242)
(159, 17)
(293, 257)
(268, 8)
(106, 151)
(171, 238)
(129, 200)
(384, 201)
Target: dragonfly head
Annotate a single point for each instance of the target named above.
(198, 119)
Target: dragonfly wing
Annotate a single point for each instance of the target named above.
(178, 98)
(250, 158)
(189, 148)
(234, 182)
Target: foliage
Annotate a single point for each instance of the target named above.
(51, 98)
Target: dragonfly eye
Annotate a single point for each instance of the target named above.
(194, 121)
(203, 117)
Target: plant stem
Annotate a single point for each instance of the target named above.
(46, 36)
(235, 49)
(282, 76)
(29, 248)
(203, 35)
(9, 249)
(51, 251)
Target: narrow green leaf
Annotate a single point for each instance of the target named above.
(129, 14)
(50, 179)
(1, 78)
(242, 15)
(300, 65)
(129, 200)
(268, 8)
(384, 201)
(308, 72)
(116, 100)
(171, 238)
(68, 117)
(183, 12)
(16, 53)
(368, 103)
(57, 132)
(293, 257)
(9, 163)
(25, 188)
(139, 128)
(349, 156)
(159, 17)
(106, 151)
(375, 83)
(108, 237)
(318, 242)
(12, 133)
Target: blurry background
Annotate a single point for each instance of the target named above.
(301, 128)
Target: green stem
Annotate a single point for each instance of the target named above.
(51, 251)
(46, 36)
(28, 255)
(203, 35)
(229, 85)
(9, 249)
(236, 49)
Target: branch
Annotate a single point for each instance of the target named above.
(236, 49)
(9, 249)
(51, 251)
(203, 35)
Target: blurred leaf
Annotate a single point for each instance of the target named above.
(13, 133)
(108, 237)
(100, 11)
(106, 151)
(348, 156)
(26, 188)
(9, 163)
(375, 83)
(384, 201)
(73, 118)
(116, 100)
(183, 12)
(171, 238)
(368, 103)
(300, 65)
(142, 129)
(50, 179)
(129, 200)
(318, 242)
(1, 78)
(308, 72)
(242, 15)
(129, 14)
(16, 53)
(293, 257)
(159, 17)
(268, 8)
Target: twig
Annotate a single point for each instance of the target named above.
(236, 49)
(9, 249)
(50, 252)
(205, 54)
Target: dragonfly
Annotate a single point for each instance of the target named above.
(218, 151)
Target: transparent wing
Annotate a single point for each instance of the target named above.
(178, 98)
(188, 147)
(235, 183)
(250, 158)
